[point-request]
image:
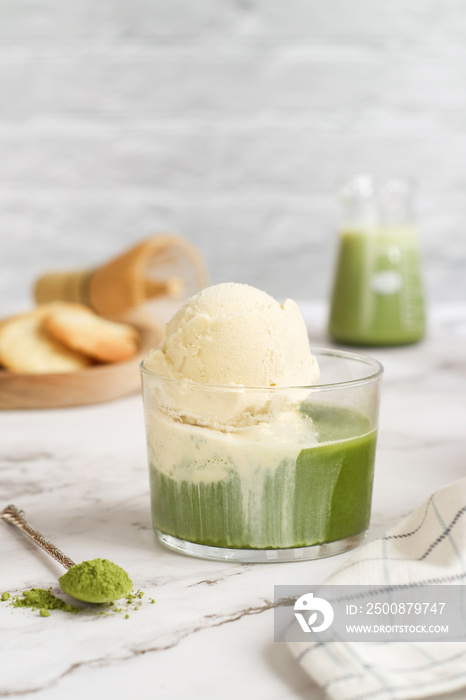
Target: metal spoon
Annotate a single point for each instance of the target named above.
(13, 516)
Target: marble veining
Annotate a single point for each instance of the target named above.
(82, 479)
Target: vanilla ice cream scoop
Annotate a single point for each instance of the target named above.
(236, 335)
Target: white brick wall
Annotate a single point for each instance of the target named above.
(229, 122)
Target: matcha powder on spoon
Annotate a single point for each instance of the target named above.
(96, 581)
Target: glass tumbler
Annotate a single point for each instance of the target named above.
(377, 296)
(264, 475)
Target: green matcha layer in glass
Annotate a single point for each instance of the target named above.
(285, 474)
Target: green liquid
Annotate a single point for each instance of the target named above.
(377, 297)
(319, 494)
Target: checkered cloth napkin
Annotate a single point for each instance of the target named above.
(427, 547)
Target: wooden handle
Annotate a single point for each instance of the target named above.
(63, 286)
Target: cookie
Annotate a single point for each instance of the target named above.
(25, 347)
(80, 329)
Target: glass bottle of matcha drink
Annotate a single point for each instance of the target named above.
(377, 296)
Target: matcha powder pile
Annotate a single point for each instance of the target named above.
(96, 581)
(41, 599)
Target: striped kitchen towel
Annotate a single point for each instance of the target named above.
(427, 547)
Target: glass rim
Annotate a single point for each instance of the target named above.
(377, 372)
(366, 185)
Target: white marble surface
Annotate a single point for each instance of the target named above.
(81, 476)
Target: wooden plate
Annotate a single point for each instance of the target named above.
(88, 386)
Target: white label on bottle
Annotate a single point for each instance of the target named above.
(386, 282)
